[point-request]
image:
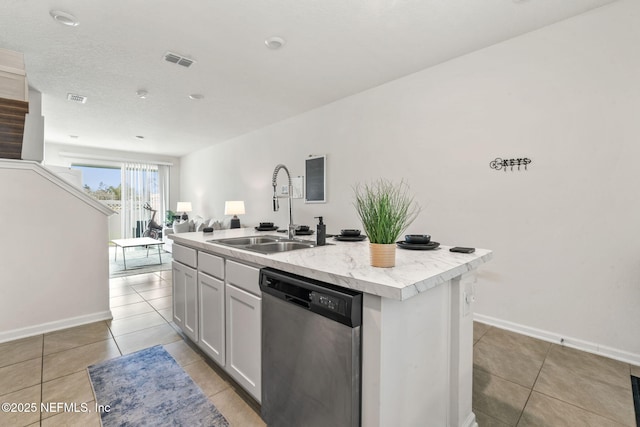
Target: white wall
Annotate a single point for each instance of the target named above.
(33, 139)
(566, 233)
(54, 268)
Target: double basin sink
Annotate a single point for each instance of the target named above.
(264, 244)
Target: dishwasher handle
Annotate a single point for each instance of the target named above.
(297, 301)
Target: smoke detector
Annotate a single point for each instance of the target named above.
(77, 98)
(175, 58)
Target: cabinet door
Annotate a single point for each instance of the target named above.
(185, 299)
(179, 293)
(191, 304)
(211, 299)
(244, 339)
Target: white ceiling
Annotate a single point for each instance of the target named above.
(334, 48)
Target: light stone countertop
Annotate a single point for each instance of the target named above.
(347, 263)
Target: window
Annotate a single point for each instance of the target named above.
(102, 183)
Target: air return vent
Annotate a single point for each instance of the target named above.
(77, 98)
(175, 58)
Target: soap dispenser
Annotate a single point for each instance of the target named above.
(321, 232)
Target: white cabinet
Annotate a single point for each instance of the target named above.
(219, 307)
(211, 303)
(185, 255)
(244, 326)
(211, 296)
(244, 277)
(185, 299)
(243, 329)
(210, 264)
(185, 290)
(179, 293)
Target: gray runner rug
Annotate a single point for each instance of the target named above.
(149, 388)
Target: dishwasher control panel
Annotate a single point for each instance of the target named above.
(329, 302)
(334, 302)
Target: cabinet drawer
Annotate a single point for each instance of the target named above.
(185, 255)
(211, 264)
(244, 277)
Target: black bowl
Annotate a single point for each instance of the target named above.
(302, 228)
(350, 233)
(421, 239)
(266, 225)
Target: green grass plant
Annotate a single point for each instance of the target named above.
(386, 209)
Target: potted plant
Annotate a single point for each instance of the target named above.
(386, 209)
(170, 216)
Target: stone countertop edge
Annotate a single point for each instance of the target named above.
(347, 263)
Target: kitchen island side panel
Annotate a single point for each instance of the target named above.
(461, 372)
(371, 353)
(406, 360)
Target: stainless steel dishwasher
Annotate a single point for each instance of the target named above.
(311, 364)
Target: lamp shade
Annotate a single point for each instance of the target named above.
(184, 207)
(234, 207)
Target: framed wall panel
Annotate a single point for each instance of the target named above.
(315, 179)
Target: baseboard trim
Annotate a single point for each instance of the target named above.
(612, 353)
(43, 328)
(470, 421)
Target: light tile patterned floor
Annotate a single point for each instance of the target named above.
(524, 382)
(518, 381)
(52, 367)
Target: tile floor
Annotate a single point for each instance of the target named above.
(518, 381)
(52, 367)
(521, 381)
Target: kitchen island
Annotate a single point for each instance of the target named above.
(417, 324)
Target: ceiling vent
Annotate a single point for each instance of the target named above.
(174, 58)
(77, 98)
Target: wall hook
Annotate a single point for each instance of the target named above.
(505, 164)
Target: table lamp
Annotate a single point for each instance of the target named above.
(235, 208)
(184, 207)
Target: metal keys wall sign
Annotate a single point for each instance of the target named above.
(505, 164)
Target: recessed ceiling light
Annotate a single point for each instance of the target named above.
(139, 136)
(196, 96)
(73, 136)
(142, 94)
(64, 18)
(275, 42)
